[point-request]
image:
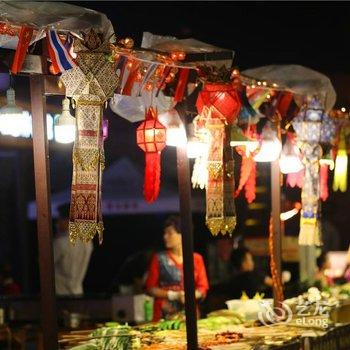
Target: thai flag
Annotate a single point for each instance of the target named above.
(60, 57)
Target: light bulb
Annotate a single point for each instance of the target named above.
(196, 148)
(270, 147)
(175, 133)
(175, 136)
(65, 125)
(12, 118)
(290, 158)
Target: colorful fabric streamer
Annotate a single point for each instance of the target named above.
(25, 36)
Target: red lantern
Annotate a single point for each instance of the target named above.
(151, 138)
(222, 98)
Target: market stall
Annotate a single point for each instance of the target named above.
(187, 95)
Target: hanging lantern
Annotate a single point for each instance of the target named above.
(312, 126)
(222, 98)
(270, 147)
(340, 181)
(290, 161)
(151, 138)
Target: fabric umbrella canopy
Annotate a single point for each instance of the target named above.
(303, 82)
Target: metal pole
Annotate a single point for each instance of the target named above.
(44, 223)
(184, 183)
(276, 221)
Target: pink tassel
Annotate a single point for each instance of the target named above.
(324, 193)
(295, 179)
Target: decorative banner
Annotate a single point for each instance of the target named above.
(309, 220)
(25, 37)
(151, 138)
(220, 211)
(90, 83)
(88, 163)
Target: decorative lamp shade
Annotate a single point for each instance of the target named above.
(222, 98)
(151, 138)
(151, 135)
(313, 125)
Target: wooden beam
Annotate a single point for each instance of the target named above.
(44, 222)
(184, 183)
(276, 220)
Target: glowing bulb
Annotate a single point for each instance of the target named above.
(290, 159)
(196, 148)
(65, 125)
(341, 171)
(175, 133)
(175, 136)
(12, 118)
(269, 151)
(343, 109)
(270, 146)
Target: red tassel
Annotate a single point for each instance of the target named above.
(250, 186)
(246, 168)
(165, 74)
(152, 176)
(25, 36)
(181, 85)
(324, 193)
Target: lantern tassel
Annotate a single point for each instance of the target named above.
(250, 186)
(324, 193)
(152, 176)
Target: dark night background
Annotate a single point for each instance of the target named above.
(312, 34)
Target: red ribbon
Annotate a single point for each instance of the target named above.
(181, 85)
(25, 37)
(131, 79)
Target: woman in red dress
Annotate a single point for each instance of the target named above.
(165, 276)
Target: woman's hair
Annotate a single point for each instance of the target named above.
(173, 220)
(238, 256)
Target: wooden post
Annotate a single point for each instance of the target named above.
(44, 222)
(184, 183)
(276, 221)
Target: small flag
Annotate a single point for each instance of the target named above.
(60, 57)
(25, 36)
